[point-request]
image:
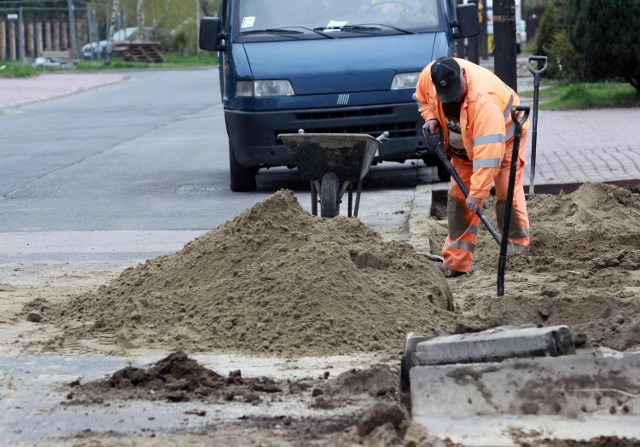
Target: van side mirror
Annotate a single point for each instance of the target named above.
(210, 38)
(467, 21)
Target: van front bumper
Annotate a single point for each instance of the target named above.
(254, 135)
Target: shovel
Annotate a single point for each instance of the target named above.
(436, 143)
(502, 260)
(534, 134)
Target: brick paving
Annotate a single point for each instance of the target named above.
(586, 145)
(572, 146)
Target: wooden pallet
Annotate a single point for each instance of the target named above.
(139, 51)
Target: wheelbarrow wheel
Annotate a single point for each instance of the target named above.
(329, 200)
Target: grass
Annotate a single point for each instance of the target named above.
(172, 60)
(600, 95)
(16, 70)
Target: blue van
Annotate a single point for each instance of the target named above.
(326, 66)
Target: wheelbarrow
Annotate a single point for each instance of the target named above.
(333, 163)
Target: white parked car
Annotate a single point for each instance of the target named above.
(521, 35)
(100, 49)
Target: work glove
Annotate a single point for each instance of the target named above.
(473, 204)
(432, 127)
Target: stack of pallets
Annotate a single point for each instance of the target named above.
(139, 51)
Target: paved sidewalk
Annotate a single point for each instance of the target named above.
(20, 91)
(586, 145)
(572, 147)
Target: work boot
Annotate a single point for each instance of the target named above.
(452, 273)
(448, 273)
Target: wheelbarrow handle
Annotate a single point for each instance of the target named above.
(383, 137)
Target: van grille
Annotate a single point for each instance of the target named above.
(348, 113)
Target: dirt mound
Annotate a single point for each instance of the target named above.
(582, 269)
(176, 378)
(273, 280)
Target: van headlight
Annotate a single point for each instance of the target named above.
(263, 89)
(405, 80)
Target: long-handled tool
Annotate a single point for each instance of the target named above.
(534, 134)
(436, 143)
(502, 260)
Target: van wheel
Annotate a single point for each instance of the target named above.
(443, 174)
(243, 179)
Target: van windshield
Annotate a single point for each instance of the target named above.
(260, 20)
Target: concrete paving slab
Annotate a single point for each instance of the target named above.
(509, 431)
(573, 386)
(495, 345)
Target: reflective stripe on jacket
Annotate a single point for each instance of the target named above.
(485, 121)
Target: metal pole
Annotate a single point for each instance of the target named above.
(72, 30)
(504, 38)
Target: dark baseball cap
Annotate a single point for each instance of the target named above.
(445, 74)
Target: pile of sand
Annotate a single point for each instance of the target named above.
(582, 270)
(277, 280)
(273, 280)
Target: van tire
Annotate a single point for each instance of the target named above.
(242, 179)
(329, 200)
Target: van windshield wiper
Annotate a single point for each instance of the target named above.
(287, 30)
(364, 28)
(280, 31)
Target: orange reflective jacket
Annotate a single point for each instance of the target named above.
(485, 121)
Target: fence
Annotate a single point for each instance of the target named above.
(28, 32)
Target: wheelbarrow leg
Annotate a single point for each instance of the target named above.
(355, 211)
(350, 202)
(314, 198)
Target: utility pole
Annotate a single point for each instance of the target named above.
(72, 30)
(504, 37)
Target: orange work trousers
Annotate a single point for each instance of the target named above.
(463, 224)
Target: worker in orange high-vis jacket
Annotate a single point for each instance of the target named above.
(472, 107)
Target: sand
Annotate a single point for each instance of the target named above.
(277, 280)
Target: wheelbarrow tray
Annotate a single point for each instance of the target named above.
(348, 155)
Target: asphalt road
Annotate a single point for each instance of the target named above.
(135, 169)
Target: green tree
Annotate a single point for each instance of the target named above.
(549, 26)
(606, 33)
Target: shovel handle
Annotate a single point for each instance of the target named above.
(436, 143)
(520, 118)
(539, 60)
(537, 72)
